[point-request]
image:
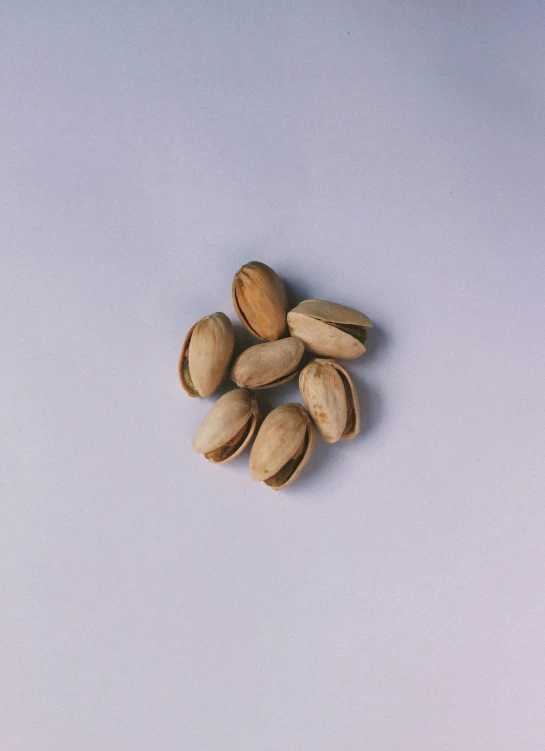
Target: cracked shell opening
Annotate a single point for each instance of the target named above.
(284, 474)
(228, 449)
(358, 332)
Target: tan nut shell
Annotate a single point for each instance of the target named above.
(226, 418)
(311, 322)
(209, 345)
(323, 391)
(268, 364)
(278, 439)
(260, 300)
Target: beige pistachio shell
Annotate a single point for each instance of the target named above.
(330, 329)
(282, 447)
(228, 427)
(331, 398)
(270, 364)
(333, 312)
(206, 353)
(260, 300)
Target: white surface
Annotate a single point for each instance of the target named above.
(388, 156)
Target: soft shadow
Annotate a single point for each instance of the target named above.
(266, 400)
(269, 399)
(377, 343)
(297, 291)
(371, 406)
(322, 463)
(243, 339)
(223, 388)
(325, 458)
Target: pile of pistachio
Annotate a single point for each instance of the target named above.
(285, 438)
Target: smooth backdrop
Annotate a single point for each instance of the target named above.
(386, 155)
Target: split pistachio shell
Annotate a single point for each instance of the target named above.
(329, 329)
(206, 353)
(265, 365)
(228, 427)
(283, 446)
(331, 398)
(260, 300)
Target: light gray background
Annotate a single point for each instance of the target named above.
(386, 155)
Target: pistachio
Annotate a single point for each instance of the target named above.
(265, 365)
(329, 329)
(260, 300)
(206, 353)
(228, 427)
(282, 447)
(331, 398)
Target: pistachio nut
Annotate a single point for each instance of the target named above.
(331, 398)
(206, 353)
(260, 300)
(329, 329)
(282, 447)
(270, 364)
(228, 427)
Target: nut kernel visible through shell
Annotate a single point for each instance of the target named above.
(282, 447)
(329, 329)
(206, 353)
(228, 427)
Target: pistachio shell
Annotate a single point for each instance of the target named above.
(269, 364)
(284, 442)
(333, 312)
(260, 300)
(206, 353)
(331, 398)
(330, 329)
(228, 427)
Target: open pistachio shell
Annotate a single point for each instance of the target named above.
(282, 447)
(260, 300)
(329, 329)
(206, 353)
(331, 398)
(228, 427)
(270, 364)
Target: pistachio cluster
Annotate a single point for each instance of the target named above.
(285, 440)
